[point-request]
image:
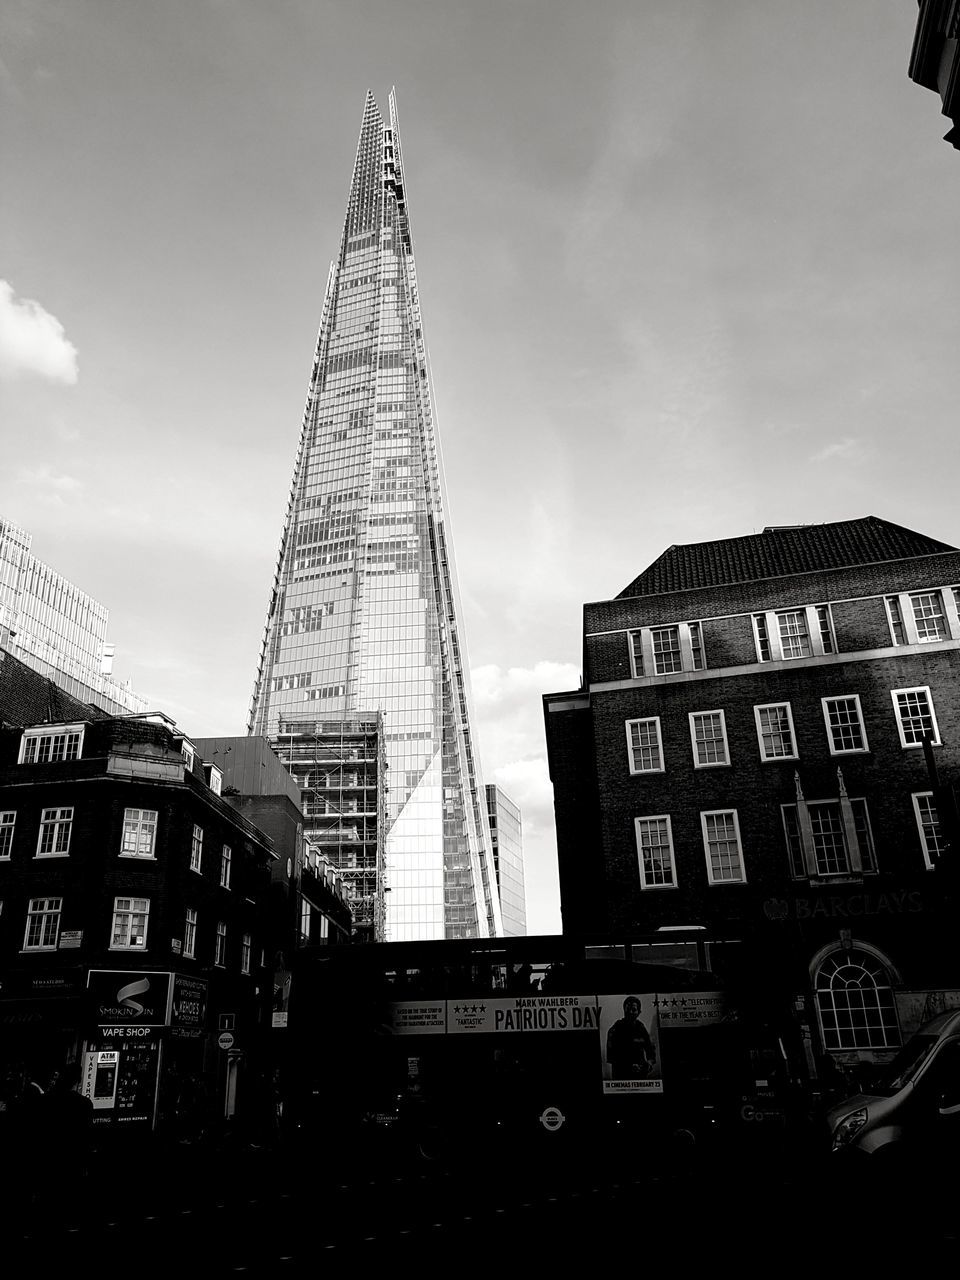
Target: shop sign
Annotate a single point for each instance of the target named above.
(130, 997)
(189, 1008)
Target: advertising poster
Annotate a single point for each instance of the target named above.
(691, 1009)
(509, 1015)
(418, 1017)
(629, 1044)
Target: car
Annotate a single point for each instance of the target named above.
(909, 1123)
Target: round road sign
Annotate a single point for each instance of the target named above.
(226, 1040)
(552, 1118)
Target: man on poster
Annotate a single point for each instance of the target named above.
(630, 1051)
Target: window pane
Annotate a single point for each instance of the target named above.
(709, 739)
(896, 620)
(913, 708)
(776, 738)
(653, 842)
(829, 841)
(855, 1003)
(645, 746)
(846, 729)
(666, 650)
(723, 847)
(928, 614)
(794, 638)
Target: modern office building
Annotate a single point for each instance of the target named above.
(935, 58)
(364, 615)
(766, 742)
(506, 841)
(57, 629)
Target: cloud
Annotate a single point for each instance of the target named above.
(52, 488)
(509, 711)
(527, 783)
(33, 341)
(846, 447)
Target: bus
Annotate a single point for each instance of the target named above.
(528, 1044)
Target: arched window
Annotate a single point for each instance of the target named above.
(855, 1002)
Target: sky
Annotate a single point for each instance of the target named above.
(686, 270)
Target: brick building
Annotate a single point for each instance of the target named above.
(134, 926)
(747, 751)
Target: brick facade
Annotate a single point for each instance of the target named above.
(896, 912)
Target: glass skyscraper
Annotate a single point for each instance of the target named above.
(364, 613)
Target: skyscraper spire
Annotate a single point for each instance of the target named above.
(364, 616)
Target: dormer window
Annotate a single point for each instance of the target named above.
(51, 744)
(187, 751)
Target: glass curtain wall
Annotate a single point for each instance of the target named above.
(364, 613)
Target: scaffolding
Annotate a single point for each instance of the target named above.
(340, 767)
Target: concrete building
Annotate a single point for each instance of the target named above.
(506, 841)
(309, 903)
(57, 629)
(364, 611)
(747, 751)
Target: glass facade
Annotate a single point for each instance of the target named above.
(506, 836)
(364, 612)
(55, 628)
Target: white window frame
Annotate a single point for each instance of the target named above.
(695, 629)
(655, 817)
(938, 594)
(220, 946)
(643, 661)
(709, 764)
(773, 639)
(770, 706)
(635, 648)
(190, 933)
(712, 813)
(655, 720)
(844, 751)
(196, 849)
(867, 854)
(928, 857)
(806, 635)
(145, 821)
(905, 604)
(50, 733)
(918, 688)
(188, 752)
(43, 909)
(54, 820)
(8, 826)
(896, 619)
(124, 919)
(306, 919)
(826, 635)
(226, 860)
(663, 628)
(246, 952)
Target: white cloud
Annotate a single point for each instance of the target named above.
(33, 341)
(510, 712)
(844, 448)
(49, 487)
(527, 783)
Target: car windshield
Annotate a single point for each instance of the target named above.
(896, 1073)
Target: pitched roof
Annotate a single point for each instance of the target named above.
(779, 551)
